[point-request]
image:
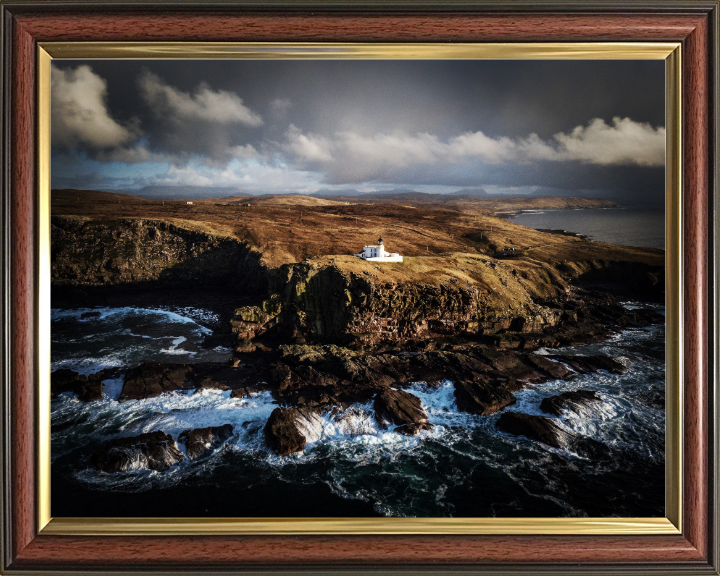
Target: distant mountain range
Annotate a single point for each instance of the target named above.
(398, 195)
(184, 192)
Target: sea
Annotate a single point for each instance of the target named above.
(629, 226)
(463, 467)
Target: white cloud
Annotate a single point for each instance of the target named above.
(478, 145)
(352, 157)
(395, 149)
(218, 106)
(248, 176)
(625, 142)
(79, 111)
(312, 148)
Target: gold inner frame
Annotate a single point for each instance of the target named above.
(667, 51)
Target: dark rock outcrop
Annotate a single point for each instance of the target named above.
(281, 432)
(201, 442)
(554, 369)
(151, 379)
(398, 407)
(635, 280)
(587, 364)
(568, 400)
(338, 374)
(209, 383)
(537, 428)
(482, 397)
(243, 392)
(65, 380)
(87, 388)
(151, 451)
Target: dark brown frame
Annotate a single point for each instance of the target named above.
(24, 24)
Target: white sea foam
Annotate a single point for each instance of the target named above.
(87, 366)
(114, 314)
(124, 337)
(174, 348)
(113, 388)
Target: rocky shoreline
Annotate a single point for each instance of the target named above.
(307, 380)
(324, 334)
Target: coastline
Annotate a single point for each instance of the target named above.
(333, 342)
(627, 225)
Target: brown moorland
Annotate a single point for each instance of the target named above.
(287, 229)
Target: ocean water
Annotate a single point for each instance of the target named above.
(463, 467)
(88, 340)
(625, 226)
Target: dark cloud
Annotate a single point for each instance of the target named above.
(300, 115)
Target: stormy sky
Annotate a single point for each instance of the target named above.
(211, 128)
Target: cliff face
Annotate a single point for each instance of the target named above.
(348, 300)
(339, 306)
(343, 299)
(127, 252)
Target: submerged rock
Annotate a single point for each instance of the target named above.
(538, 428)
(151, 379)
(201, 442)
(151, 451)
(87, 388)
(568, 400)
(93, 314)
(482, 397)
(398, 407)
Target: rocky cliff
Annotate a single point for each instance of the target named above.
(132, 251)
(345, 300)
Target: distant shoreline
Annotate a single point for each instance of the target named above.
(641, 227)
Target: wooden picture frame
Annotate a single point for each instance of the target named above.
(26, 549)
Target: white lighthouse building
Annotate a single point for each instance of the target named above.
(376, 253)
